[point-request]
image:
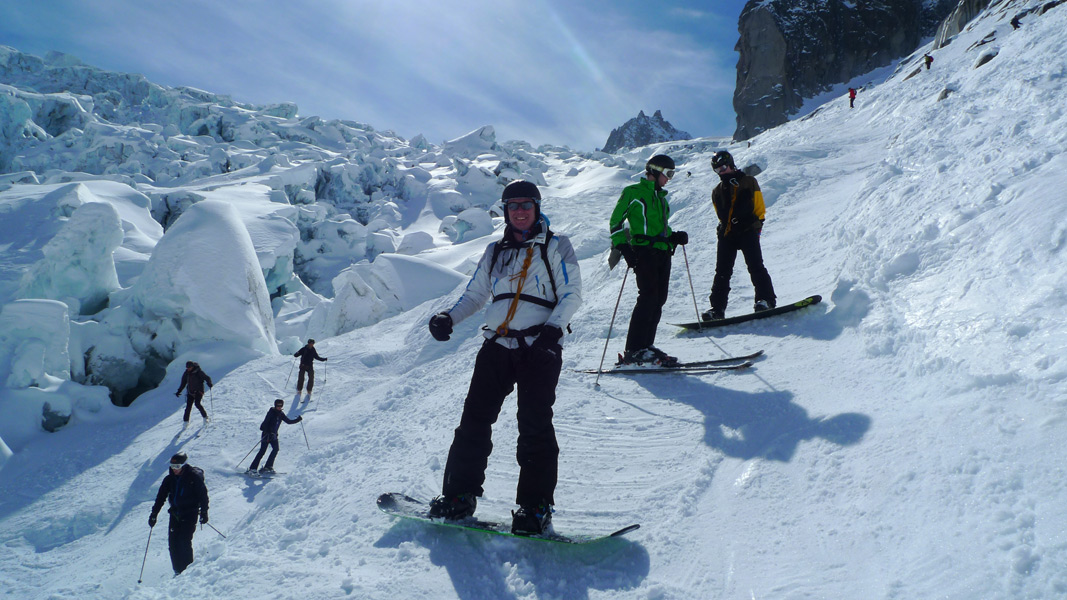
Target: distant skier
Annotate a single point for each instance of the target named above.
(269, 437)
(738, 203)
(308, 356)
(639, 230)
(1015, 22)
(531, 279)
(195, 379)
(851, 97)
(184, 489)
(928, 60)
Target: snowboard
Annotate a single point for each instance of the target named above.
(406, 507)
(785, 308)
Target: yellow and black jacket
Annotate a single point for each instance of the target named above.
(739, 205)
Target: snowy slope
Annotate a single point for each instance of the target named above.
(904, 439)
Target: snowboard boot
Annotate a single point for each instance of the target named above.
(531, 520)
(713, 315)
(453, 508)
(762, 305)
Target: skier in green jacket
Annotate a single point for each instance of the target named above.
(640, 232)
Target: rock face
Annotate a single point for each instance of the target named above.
(642, 131)
(795, 49)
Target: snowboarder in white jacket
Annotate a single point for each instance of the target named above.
(532, 281)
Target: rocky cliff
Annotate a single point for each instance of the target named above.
(642, 131)
(795, 49)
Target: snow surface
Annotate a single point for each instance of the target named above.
(903, 439)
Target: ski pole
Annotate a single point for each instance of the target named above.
(596, 384)
(692, 292)
(211, 394)
(305, 434)
(290, 373)
(249, 452)
(216, 530)
(145, 554)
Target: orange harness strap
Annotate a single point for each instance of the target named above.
(521, 277)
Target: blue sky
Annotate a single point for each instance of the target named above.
(544, 71)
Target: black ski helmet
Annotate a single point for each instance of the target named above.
(722, 158)
(520, 188)
(661, 163)
(178, 459)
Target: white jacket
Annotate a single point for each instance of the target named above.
(485, 286)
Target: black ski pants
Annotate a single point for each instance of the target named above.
(653, 274)
(192, 398)
(180, 541)
(748, 244)
(310, 371)
(497, 371)
(269, 439)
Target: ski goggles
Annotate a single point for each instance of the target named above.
(175, 467)
(668, 173)
(524, 205)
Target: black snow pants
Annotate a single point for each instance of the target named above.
(192, 398)
(269, 439)
(653, 274)
(310, 371)
(497, 371)
(748, 244)
(180, 541)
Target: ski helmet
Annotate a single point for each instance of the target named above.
(178, 460)
(520, 188)
(278, 403)
(662, 163)
(722, 158)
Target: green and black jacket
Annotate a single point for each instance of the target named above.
(646, 210)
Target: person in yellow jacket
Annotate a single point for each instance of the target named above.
(647, 245)
(738, 203)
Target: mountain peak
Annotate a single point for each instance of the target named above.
(642, 131)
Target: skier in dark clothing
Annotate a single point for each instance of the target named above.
(186, 492)
(308, 356)
(639, 231)
(1015, 22)
(195, 379)
(928, 60)
(738, 203)
(269, 437)
(531, 279)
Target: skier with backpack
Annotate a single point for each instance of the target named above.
(184, 489)
(640, 232)
(738, 203)
(269, 437)
(531, 279)
(194, 378)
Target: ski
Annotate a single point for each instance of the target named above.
(722, 361)
(262, 475)
(406, 507)
(751, 316)
(628, 370)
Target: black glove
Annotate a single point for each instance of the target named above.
(300, 418)
(628, 254)
(203, 517)
(325, 359)
(720, 230)
(679, 238)
(177, 394)
(548, 341)
(152, 520)
(441, 326)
